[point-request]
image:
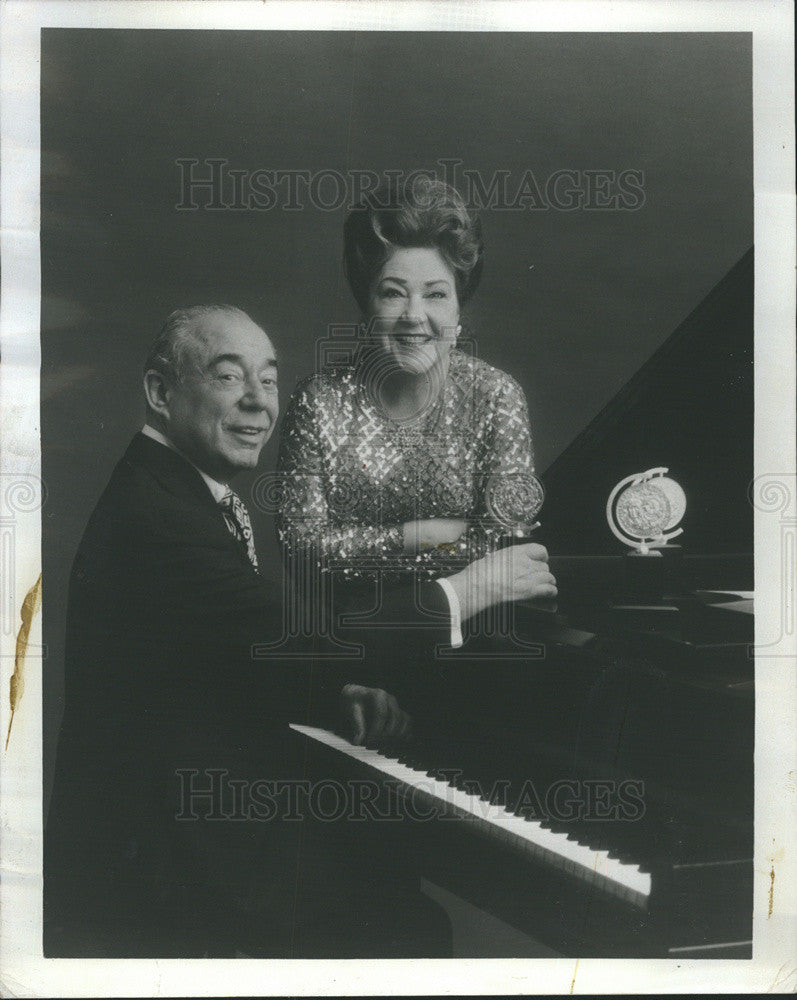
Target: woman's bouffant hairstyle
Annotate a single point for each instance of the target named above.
(422, 212)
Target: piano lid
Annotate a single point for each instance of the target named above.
(690, 408)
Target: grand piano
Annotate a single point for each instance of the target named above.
(591, 793)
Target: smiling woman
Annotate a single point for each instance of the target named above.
(384, 462)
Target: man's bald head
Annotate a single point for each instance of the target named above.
(174, 351)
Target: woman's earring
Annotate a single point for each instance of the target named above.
(459, 330)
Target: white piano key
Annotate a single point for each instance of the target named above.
(555, 848)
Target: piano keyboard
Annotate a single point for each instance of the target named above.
(528, 836)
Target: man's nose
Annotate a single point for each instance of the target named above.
(256, 395)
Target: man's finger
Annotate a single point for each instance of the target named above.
(378, 716)
(538, 566)
(405, 726)
(358, 722)
(393, 722)
(401, 729)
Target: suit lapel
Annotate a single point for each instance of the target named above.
(179, 478)
(176, 475)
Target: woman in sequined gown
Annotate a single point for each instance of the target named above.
(384, 461)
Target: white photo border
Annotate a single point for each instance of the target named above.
(23, 970)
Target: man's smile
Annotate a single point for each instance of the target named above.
(247, 432)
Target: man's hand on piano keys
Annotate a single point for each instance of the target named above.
(514, 573)
(371, 714)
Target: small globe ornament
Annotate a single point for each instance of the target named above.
(513, 500)
(644, 510)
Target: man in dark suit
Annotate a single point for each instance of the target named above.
(166, 603)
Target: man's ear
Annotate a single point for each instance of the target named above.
(156, 390)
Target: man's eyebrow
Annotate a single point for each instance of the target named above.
(238, 360)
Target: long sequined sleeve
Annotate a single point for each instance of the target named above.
(307, 523)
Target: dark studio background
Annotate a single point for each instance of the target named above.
(571, 303)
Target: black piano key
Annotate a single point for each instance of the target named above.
(483, 767)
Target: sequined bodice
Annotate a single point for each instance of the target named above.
(352, 477)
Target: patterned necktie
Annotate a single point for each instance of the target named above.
(236, 517)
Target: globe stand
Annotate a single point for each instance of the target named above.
(653, 577)
(518, 536)
(513, 500)
(643, 512)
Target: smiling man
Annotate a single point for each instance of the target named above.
(211, 388)
(164, 697)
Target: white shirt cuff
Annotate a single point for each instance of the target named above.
(456, 612)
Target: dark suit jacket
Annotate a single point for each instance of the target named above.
(164, 611)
